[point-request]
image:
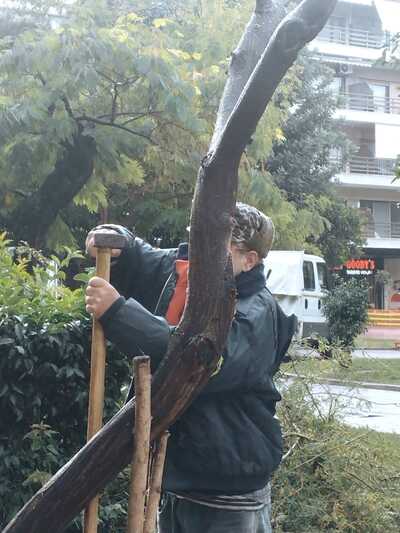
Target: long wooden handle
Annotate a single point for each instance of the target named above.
(96, 392)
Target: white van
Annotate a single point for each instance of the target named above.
(299, 282)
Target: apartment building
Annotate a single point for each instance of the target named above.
(353, 41)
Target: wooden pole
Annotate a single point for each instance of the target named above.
(155, 484)
(96, 392)
(141, 447)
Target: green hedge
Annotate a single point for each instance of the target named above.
(44, 376)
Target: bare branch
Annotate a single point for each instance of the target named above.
(85, 118)
(266, 17)
(128, 81)
(361, 481)
(114, 103)
(41, 78)
(297, 29)
(134, 115)
(315, 457)
(67, 106)
(291, 450)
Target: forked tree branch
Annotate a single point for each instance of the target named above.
(298, 28)
(267, 15)
(86, 118)
(196, 346)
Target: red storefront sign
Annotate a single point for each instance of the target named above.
(360, 267)
(361, 264)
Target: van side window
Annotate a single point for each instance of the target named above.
(308, 273)
(322, 276)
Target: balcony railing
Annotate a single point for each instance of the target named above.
(370, 165)
(354, 37)
(382, 230)
(370, 103)
(358, 164)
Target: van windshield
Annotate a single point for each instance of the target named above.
(323, 276)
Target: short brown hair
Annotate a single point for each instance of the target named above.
(252, 229)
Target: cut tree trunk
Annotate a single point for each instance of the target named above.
(195, 347)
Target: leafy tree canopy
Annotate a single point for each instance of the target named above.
(134, 84)
(107, 107)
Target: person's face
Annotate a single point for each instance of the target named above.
(243, 260)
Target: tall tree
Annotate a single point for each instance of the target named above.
(301, 163)
(95, 97)
(194, 350)
(144, 177)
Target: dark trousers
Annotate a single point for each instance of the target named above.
(182, 516)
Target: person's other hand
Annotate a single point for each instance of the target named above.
(90, 247)
(100, 295)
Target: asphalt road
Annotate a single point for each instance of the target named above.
(371, 354)
(372, 408)
(377, 354)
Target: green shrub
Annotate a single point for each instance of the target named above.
(333, 478)
(44, 376)
(346, 310)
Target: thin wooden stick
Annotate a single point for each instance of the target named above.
(155, 484)
(96, 391)
(141, 448)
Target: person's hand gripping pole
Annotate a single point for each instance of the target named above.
(104, 244)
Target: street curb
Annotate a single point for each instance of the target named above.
(346, 383)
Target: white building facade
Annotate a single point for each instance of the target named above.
(353, 42)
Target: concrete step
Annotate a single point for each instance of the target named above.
(384, 318)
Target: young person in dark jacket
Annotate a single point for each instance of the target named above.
(224, 448)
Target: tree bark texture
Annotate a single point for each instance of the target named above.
(34, 215)
(195, 348)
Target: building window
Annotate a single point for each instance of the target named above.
(309, 278)
(338, 21)
(337, 85)
(378, 218)
(363, 95)
(395, 220)
(367, 209)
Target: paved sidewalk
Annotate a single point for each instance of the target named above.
(382, 333)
